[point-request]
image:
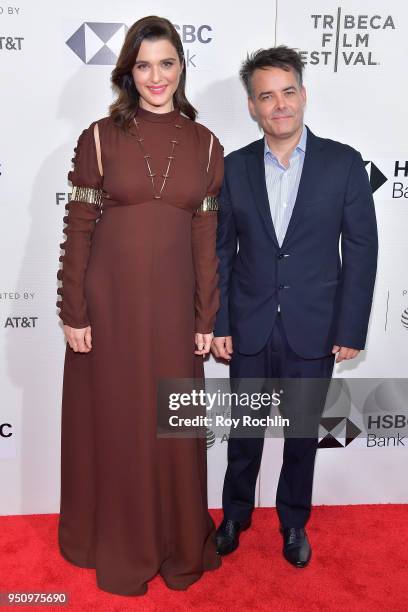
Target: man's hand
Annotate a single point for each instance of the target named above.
(344, 353)
(80, 340)
(221, 347)
(203, 343)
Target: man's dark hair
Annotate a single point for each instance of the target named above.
(275, 57)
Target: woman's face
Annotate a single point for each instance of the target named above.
(156, 74)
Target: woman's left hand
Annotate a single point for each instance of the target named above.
(203, 343)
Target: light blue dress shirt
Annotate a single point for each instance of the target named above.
(282, 184)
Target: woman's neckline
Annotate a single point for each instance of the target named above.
(169, 117)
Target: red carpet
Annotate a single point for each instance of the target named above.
(360, 562)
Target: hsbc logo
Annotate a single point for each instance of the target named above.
(333, 427)
(377, 178)
(392, 173)
(99, 44)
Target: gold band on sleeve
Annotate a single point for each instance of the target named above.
(209, 204)
(89, 195)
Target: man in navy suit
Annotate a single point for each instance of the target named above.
(290, 305)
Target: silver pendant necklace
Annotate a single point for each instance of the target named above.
(147, 157)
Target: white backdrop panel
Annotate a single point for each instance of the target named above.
(52, 95)
(354, 53)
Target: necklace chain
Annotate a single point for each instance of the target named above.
(147, 157)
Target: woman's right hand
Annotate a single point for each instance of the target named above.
(80, 340)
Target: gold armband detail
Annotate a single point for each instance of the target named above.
(89, 195)
(208, 204)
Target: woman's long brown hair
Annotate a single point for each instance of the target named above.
(124, 108)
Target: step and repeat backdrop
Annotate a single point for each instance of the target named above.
(55, 61)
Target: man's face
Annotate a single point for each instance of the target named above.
(277, 102)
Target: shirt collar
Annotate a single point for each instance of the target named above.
(301, 145)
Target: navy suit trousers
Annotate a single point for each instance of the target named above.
(293, 500)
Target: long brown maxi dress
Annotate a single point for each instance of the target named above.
(142, 271)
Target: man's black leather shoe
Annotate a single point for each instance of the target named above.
(227, 535)
(296, 546)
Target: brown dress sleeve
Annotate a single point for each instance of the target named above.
(204, 230)
(80, 221)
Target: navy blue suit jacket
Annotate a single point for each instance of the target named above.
(325, 299)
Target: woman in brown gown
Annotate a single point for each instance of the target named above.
(138, 300)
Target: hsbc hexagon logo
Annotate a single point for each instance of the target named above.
(332, 427)
(98, 43)
(377, 178)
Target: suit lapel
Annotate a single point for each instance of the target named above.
(312, 172)
(256, 174)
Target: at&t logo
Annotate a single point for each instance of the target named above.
(17, 322)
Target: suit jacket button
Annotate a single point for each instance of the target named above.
(281, 287)
(281, 256)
